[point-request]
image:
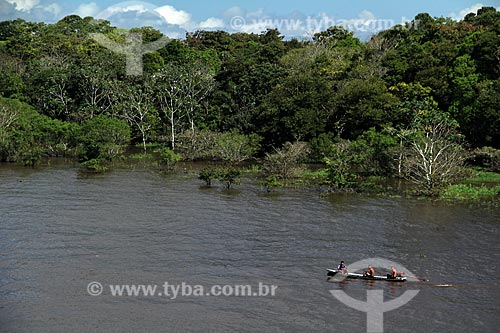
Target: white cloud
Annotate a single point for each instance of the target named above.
(367, 15)
(465, 11)
(297, 24)
(174, 16)
(171, 21)
(256, 27)
(472, 9)
(87, 9)
(212, 23)
(126, 7)
(234, 11)
(174, 34)
(258, 14)
(135, 8)
(24, 5)
(366, 23)
(132, 8)
(365, 18)
(53, 8)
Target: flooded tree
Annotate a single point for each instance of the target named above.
(282, 164)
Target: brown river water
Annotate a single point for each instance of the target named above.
(61, 229)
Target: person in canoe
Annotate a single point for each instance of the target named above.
(394, 273)
(342, 268)
(370, 272)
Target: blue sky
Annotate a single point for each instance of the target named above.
(292, 17)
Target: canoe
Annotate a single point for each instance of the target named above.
(333, 272)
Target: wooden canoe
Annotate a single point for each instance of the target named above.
(333, 272)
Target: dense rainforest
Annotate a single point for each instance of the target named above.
(415, 101)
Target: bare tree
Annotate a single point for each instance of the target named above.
(7, 116)
(180, 94)
(136, 107)
(434, 157)
(169, 97)
(57, 67)
(11, 67)
(196, 84)
(95, 90)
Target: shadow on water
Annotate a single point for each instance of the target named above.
(273, 195)
(84, 174)
(230, 191)
(207, 188)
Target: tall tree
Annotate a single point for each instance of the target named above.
(134, 103)
(169, 98)
(180, 93)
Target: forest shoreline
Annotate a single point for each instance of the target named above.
(481, 187)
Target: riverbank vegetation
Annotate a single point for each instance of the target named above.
(419, 102)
